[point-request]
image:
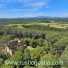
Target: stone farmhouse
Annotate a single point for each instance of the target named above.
(12, 46)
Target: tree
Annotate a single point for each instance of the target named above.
(26, 55)
(47, 60)
(35, 54)
(64, 57)
(40, 42)
(26, 41)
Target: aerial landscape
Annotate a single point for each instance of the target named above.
(33, 34)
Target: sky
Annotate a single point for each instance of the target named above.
(33, 8)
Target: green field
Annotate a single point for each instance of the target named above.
(55, 25)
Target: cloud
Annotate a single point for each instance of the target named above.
(35, 4)
(27, 4)
(35, 14)
(66, 14)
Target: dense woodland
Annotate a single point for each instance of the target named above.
(48, 44)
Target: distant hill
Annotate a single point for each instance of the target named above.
(35, 19)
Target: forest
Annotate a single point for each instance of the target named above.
(34, 43)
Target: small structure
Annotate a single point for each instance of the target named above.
(8, 51)
(24, 45)
(65, 27)
(12, 46)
